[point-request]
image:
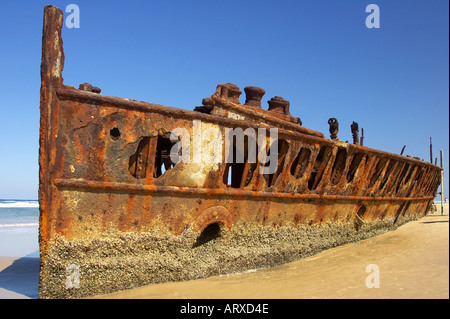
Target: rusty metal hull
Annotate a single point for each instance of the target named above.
(108, 207)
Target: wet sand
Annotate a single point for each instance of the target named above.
(413, 262)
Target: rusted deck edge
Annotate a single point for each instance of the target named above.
(266, 116)
(146, 189)
(74, 94)
(141, 106)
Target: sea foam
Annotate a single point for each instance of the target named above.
(18, 204)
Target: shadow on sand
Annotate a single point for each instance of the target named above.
(434, 221)
(22, 277)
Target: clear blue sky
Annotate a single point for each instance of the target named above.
(318, 54)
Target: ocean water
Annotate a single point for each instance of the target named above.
(19, 224)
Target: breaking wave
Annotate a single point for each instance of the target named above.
(19, 225)
(19, 204)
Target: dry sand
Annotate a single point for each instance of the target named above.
(413, 262)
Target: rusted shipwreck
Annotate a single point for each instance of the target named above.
(116, 212)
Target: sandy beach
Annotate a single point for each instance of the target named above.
(413, 262)
(410, 262)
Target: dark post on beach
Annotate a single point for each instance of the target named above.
(442, 182)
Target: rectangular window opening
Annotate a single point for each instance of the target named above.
(319, 166)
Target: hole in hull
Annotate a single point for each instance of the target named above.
(211, 232)
(318, 168)
(282, 147)
(240, 167)
(114, 133)
(300, 163)
(153, 151)
(338, 166)
(357, 158)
